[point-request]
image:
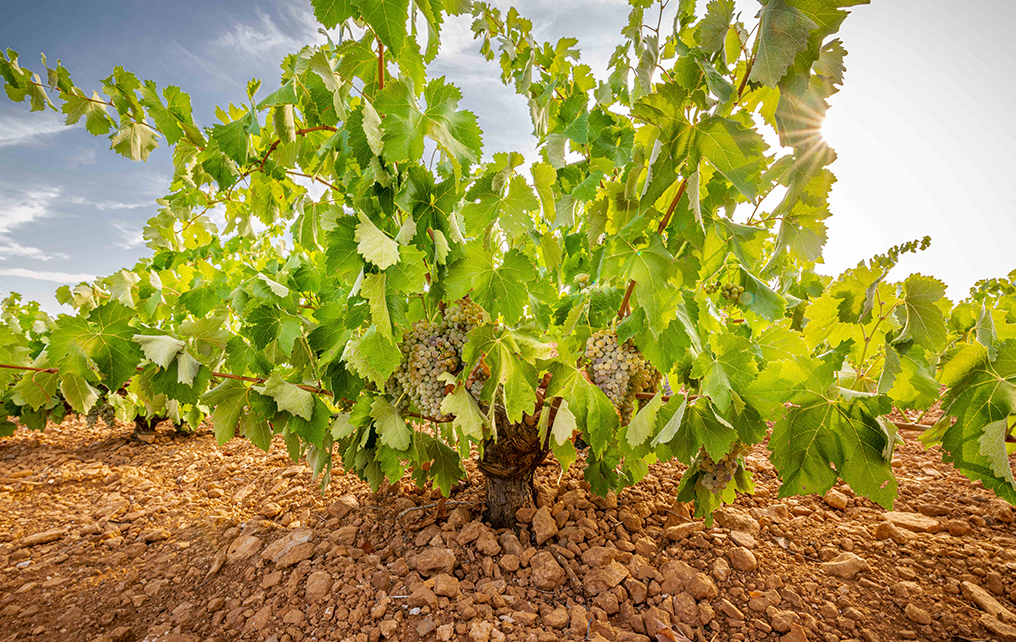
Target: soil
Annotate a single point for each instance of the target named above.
(107, 539)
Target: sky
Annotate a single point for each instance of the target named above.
(921, 127)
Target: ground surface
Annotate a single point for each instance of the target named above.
(106, 539)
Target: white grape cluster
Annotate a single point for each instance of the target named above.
(431, 349)
(715, 475)
(620, 371)
(101, 410)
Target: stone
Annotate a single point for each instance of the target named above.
(470, 532)
(681, 531)
(782, 621)
(544, 526)
(558, 618)
(796, 634)
(547, 574)
(343, 506)
(645, 547)
(510, 543)
(917, 614)
(445, 632)
(933, 510)
(509, 563)
(686, 609)
(701, 587)
(425, 626)
(888, 530)
(446, 585)
(284, 545)
(675, 575)
(721, 569)
(294, 616)
(242, 547)
(958, 527)
(986, 602)
(319, 585)
(637, 590)
(155, 535)
(346, 535)
(603, 579)
(579, 619)
(835, 499)
(423, 596)
(735, 520)
(912, 522)
(45, 537)
(388, 628)
(597, 556)
(993, 582)
(295, 555)
(1003, 631)
(270, 510)
(480, 631)
(487, 544)
(259, 620)
(433, 561)
(742, 559)
(846, 565)
(742, 539)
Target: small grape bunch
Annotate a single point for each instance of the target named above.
(711, 288)
(715, 475)
(732, 292)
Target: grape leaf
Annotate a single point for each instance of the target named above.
(728, 367)
(374, 245)
(594, 414)
(783, 32)
(105, 336)
(643, 424)
(392, 427)
(289, 397)
(922, 319)
(159, 349)
(500, 289)
(228, 399)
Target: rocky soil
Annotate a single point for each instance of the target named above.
(103, 539)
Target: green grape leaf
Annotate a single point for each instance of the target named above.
(331, 13)
(135, 141)
(509, 356)
(643, 424)
(35, 389)
(594, 414)
(783, 32)
(228, 399)
(288, 397)
(465, 413)
(446, 467)
(393, 429)
(652, 269)
(160, 349)
(387, 18)
(736, 151)
(105, 336)
(827, 433)
(374, 245)
(259, 431)
(373, 289)
(317, 428)
(922, 319)
(499, 289)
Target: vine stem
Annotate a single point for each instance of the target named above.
(623, 310)
(380, 63)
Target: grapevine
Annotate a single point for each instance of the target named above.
(387, 293)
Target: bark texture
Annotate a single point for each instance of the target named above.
(508, 465)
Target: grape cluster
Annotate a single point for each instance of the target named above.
(729, 291)
(620, 371)
(431, 349)
(101, 410)
(715, 475)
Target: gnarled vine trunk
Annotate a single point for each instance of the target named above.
(508, 465)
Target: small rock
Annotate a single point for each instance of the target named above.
(388, 628)
(544, 526)
(933, 510)
(270, 510)
(509, 563)
(721, 569)
(888, 530)
(701, 587)
(423, 596)
(603, 579)
(487, 544)
(1000, 629)
(742, 539)
(835, 499)
(686, 609)
(547, 574)
(44, 537)
(285, 545)
(446, 585)
(912, 522)
(557, 619)
(297, 554)
(679, 532)
(742, 559)
(155, 535)
(736, 521)
(319, 584)
(993, 581)
(796, 634)
(917, 614)
(242, 547)
(846, 565)
(480, 631)
(597, 556)
(986, 602)
(445, 632)
(434, 561)
(343, 506)
(958, 527)
(425, 627)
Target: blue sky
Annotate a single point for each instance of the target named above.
(922, 126)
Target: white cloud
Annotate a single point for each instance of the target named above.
(19, 206)
(80, 158)
(10, 249)
(129, 235)
(106, 206)
(15, 131)
(265, 39)
(55, 277)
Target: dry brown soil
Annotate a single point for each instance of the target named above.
(106, 539)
